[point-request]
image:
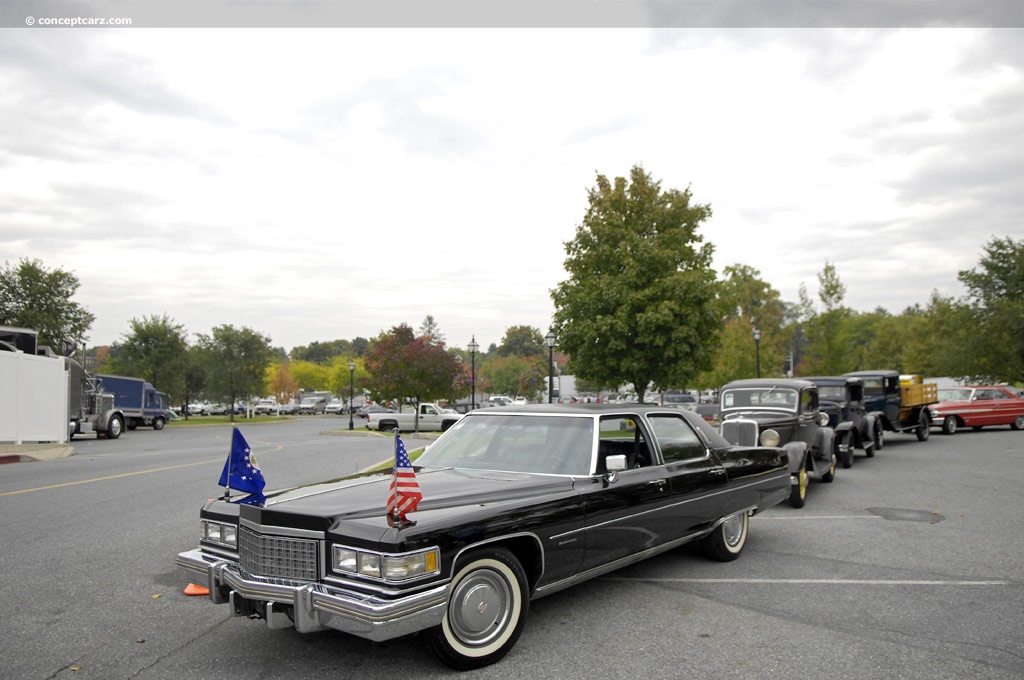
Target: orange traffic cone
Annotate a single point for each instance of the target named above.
(193, 589)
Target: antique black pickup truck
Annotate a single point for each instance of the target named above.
(516, 503)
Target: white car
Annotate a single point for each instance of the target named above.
(201, 409)
(266, 407)
(336, 407)
(312, 405)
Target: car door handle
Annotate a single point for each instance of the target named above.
(656, 482)
(717, 471)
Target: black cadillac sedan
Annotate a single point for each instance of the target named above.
(513, 503)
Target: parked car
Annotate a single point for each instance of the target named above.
(976, 407)
(517, 503)
(373, 408)
(335, 407)
(265, 407)
(842, 398)
(312, 405)
(681, 400)
(289, 408)
(782, 412)
(199, 409)
(709, 412)
(900, 405)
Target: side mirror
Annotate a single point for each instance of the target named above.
(615, 463)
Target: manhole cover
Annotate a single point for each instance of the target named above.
(907, 515)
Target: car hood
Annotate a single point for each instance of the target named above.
(355, 507)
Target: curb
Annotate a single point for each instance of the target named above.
(27, 453)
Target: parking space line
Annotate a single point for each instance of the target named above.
(817, 517)
(812, 581)
(103, 479)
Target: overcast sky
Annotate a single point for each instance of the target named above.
(316, 184)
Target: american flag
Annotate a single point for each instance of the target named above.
(404, 494)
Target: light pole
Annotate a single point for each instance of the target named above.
(351, 390)
(550, 340)
(757, 348)
(473, 347)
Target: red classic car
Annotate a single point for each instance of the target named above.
(977, 407)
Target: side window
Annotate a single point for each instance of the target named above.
(620, 435)
(808, 401)
(677, 439)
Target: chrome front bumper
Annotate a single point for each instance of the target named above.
(314, 606)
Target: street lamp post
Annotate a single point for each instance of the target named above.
(473, 347)
(757, 348)
(351, 390)
(550, 340)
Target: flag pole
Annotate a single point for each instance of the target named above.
(231, 459)
(397, 515)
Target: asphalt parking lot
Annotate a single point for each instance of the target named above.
(909, 565)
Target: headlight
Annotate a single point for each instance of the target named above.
(769, 438)
(217, 532)
(383, 566)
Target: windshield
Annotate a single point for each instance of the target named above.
(561, 445)
(832, 392)
(760, 397)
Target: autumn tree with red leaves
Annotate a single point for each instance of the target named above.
(404, 366)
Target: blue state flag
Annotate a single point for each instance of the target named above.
(241, 472)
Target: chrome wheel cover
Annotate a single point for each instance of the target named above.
(732, 529)
(480, 607)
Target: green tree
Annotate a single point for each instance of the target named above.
(515, 375)
(749, 303)
(195, 375)
(640, 304)
(826, 330)
(155, 350)
(33, 297)
(522, 341)
(995, 296)
(322, 352)
(236, 361)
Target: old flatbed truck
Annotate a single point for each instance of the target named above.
(899, 402)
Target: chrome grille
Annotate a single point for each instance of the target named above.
(740, 432)
(277, 556)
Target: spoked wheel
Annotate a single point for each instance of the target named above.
(924, 426)
(879, 438)
(798, 491)
(844, 449)
(949, 425)
(486, 611)
(726, 542)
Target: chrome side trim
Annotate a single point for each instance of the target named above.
(760, 481)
